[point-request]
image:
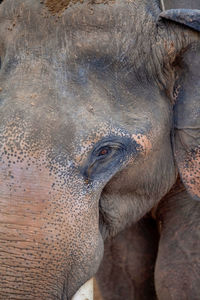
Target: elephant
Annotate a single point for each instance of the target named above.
(100, 155)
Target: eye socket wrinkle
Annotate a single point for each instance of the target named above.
(107, 157)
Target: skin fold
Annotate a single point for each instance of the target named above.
(99, 120)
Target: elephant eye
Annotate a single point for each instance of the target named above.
(107, 157)
(104, 151)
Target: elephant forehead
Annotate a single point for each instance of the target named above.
(110, 28)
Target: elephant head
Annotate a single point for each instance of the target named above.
(99, 113)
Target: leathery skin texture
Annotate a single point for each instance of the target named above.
(86, 142)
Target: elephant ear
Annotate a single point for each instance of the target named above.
(187, 105)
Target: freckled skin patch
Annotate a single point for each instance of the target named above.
(190, 171)
(144, 141)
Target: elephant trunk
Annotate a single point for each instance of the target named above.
(50, 242)
(32, 268)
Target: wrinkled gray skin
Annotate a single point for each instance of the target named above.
(191, 4)
(91, 142)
